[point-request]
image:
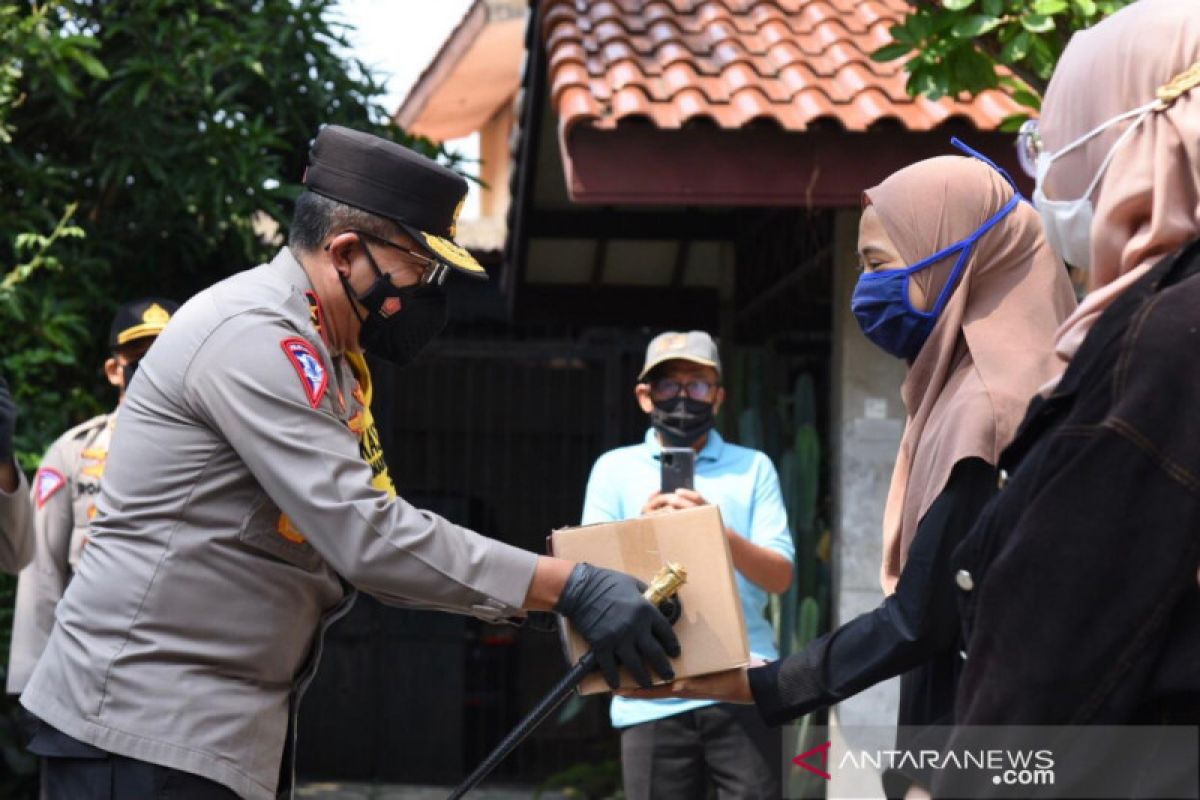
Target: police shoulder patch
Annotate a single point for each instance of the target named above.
(46, 482)
(306, 360)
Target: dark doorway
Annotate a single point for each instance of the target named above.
(494, 428)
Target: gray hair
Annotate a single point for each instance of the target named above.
(316, 217)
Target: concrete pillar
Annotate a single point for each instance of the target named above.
(868, 419)
(495, 159)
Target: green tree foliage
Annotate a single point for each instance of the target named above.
(144, 144)
(957, 46)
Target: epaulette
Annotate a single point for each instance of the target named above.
(84, 428)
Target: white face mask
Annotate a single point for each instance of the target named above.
(1068, 223)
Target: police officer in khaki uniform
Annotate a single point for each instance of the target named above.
(66, 487)
(245, 499)
(16, 516)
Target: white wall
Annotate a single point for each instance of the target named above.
(868, 419)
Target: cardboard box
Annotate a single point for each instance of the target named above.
(712, 630)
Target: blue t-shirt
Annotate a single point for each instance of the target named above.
(743, 484)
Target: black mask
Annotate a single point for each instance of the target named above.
(682, 421)
(397, 331)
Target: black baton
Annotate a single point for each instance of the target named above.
(662, 589)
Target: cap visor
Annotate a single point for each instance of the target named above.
(449, 252)
(139, 332)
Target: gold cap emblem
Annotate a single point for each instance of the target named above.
(156, 315)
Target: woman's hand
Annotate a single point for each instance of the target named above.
(732, 686)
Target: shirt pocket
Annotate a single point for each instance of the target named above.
(264, 530)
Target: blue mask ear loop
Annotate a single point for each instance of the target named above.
(973, 153)
(965, 245)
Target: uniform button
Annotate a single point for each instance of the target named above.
(1002, 479)
(964, 580)
(962, 654)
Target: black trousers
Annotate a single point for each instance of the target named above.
(726, 746)
(114, 777)
(73, 770)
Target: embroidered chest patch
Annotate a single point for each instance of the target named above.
(307, 362)
(46, 482)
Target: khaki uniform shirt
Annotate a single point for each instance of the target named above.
(65, 490)
(237, 510)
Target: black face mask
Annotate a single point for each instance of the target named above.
(682, 421)
(398, 331)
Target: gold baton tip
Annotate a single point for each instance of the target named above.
(666, 583)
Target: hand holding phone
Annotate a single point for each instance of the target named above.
(678, 465)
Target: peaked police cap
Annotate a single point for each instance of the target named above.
(389, 180)
(139, 319)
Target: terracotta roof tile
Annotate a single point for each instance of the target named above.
(738, 62)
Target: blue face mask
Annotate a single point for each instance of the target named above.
(881, 303)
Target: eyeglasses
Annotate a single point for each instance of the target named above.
(1029, 146)
(433, 273)
(669, 389)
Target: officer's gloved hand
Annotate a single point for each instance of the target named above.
(608, 610)
(8, 423)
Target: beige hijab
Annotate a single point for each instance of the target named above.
(990, 350)
(1148, 201)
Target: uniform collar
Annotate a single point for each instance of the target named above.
(288, 267)
(711, 451)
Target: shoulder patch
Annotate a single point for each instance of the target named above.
(307, 362)
(46, 482)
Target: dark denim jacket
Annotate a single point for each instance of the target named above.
(1078, 585)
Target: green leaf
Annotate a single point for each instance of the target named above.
(142, 92)
(890, 52)
(901, 33)
(1012, 123)
(1085, 7)
(958, 5)
(65, 83)
(1017, 49)
(925, 82)
(994, 8)
(1049, 7)
(1027, 98)
(1041, 57)
(974, 26)
(1037, 23)
(920, 24)
(90, 64)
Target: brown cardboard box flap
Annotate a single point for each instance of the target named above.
(712, 630)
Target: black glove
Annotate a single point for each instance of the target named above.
(608, 610)
(8, 423)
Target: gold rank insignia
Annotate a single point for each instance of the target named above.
(156, 315)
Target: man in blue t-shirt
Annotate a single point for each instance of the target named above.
(675, 748)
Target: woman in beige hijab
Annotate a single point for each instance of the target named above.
(959, 281)
(1085, 608)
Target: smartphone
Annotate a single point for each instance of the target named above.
(678, 468)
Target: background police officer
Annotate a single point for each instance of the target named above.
(240, 505)
(65, 489)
